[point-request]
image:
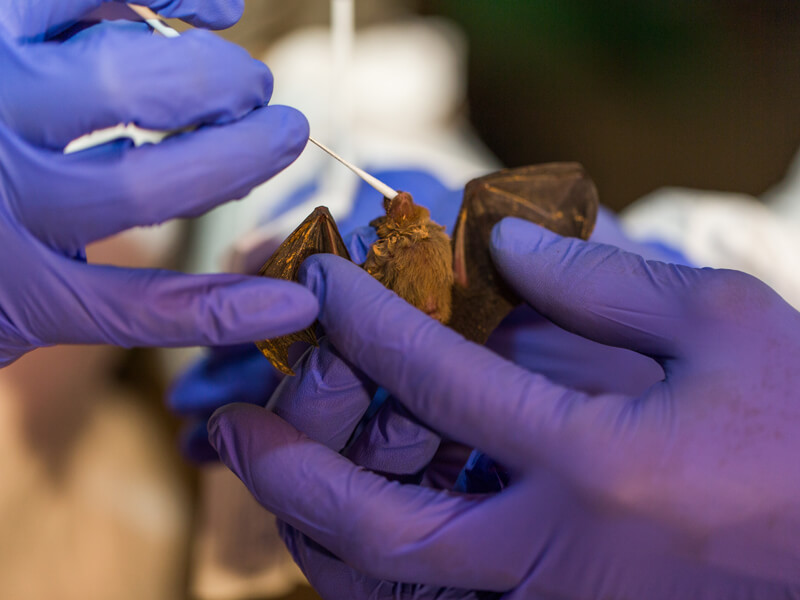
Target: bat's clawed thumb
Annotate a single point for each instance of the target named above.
(595, 290)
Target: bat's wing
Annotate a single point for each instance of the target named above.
(317, 234)
(559, 196)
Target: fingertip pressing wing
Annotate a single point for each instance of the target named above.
(317, 234)
(559, 196)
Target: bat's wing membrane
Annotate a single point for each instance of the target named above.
(559, 196)
(317, 234)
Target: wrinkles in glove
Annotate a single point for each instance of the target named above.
(223, 376)
(684, 490)
(52, 205)
(525, 336)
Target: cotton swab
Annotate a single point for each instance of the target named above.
(154, 21)
(376, 183)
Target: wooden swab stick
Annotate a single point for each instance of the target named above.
(376, 183)
(152, 19)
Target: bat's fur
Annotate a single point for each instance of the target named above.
(413, 257)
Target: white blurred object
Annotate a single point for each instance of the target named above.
(412, 72)
(731, 231)
(784, 197)
(137, 135)
(340, 101)
(409, 94)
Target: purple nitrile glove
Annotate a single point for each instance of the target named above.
(52, 205)
(41, 20)
(688, 489)
(243, 374)
(224, 374)
(525, 336)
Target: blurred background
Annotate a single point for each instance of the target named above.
(96, 501)
(643, 93)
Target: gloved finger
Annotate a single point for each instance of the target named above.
(597, 291)
(325, 399)
(328, 398)
(450, 384)
(103, 193)
(224, 375)
(394, 443)
(121, 76)
(381, 528)
(143, 307)
(40, 20)
(332, 578)
(533, 342)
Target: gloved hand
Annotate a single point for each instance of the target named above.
(686, 490)
(52, 205)
(222, 376)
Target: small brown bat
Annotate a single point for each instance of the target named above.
(452, 281)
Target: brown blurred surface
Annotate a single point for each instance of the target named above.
(302, 593)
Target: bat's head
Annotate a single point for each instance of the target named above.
(402, 211)
(412, 257)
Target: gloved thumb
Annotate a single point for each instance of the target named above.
(596, 290)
